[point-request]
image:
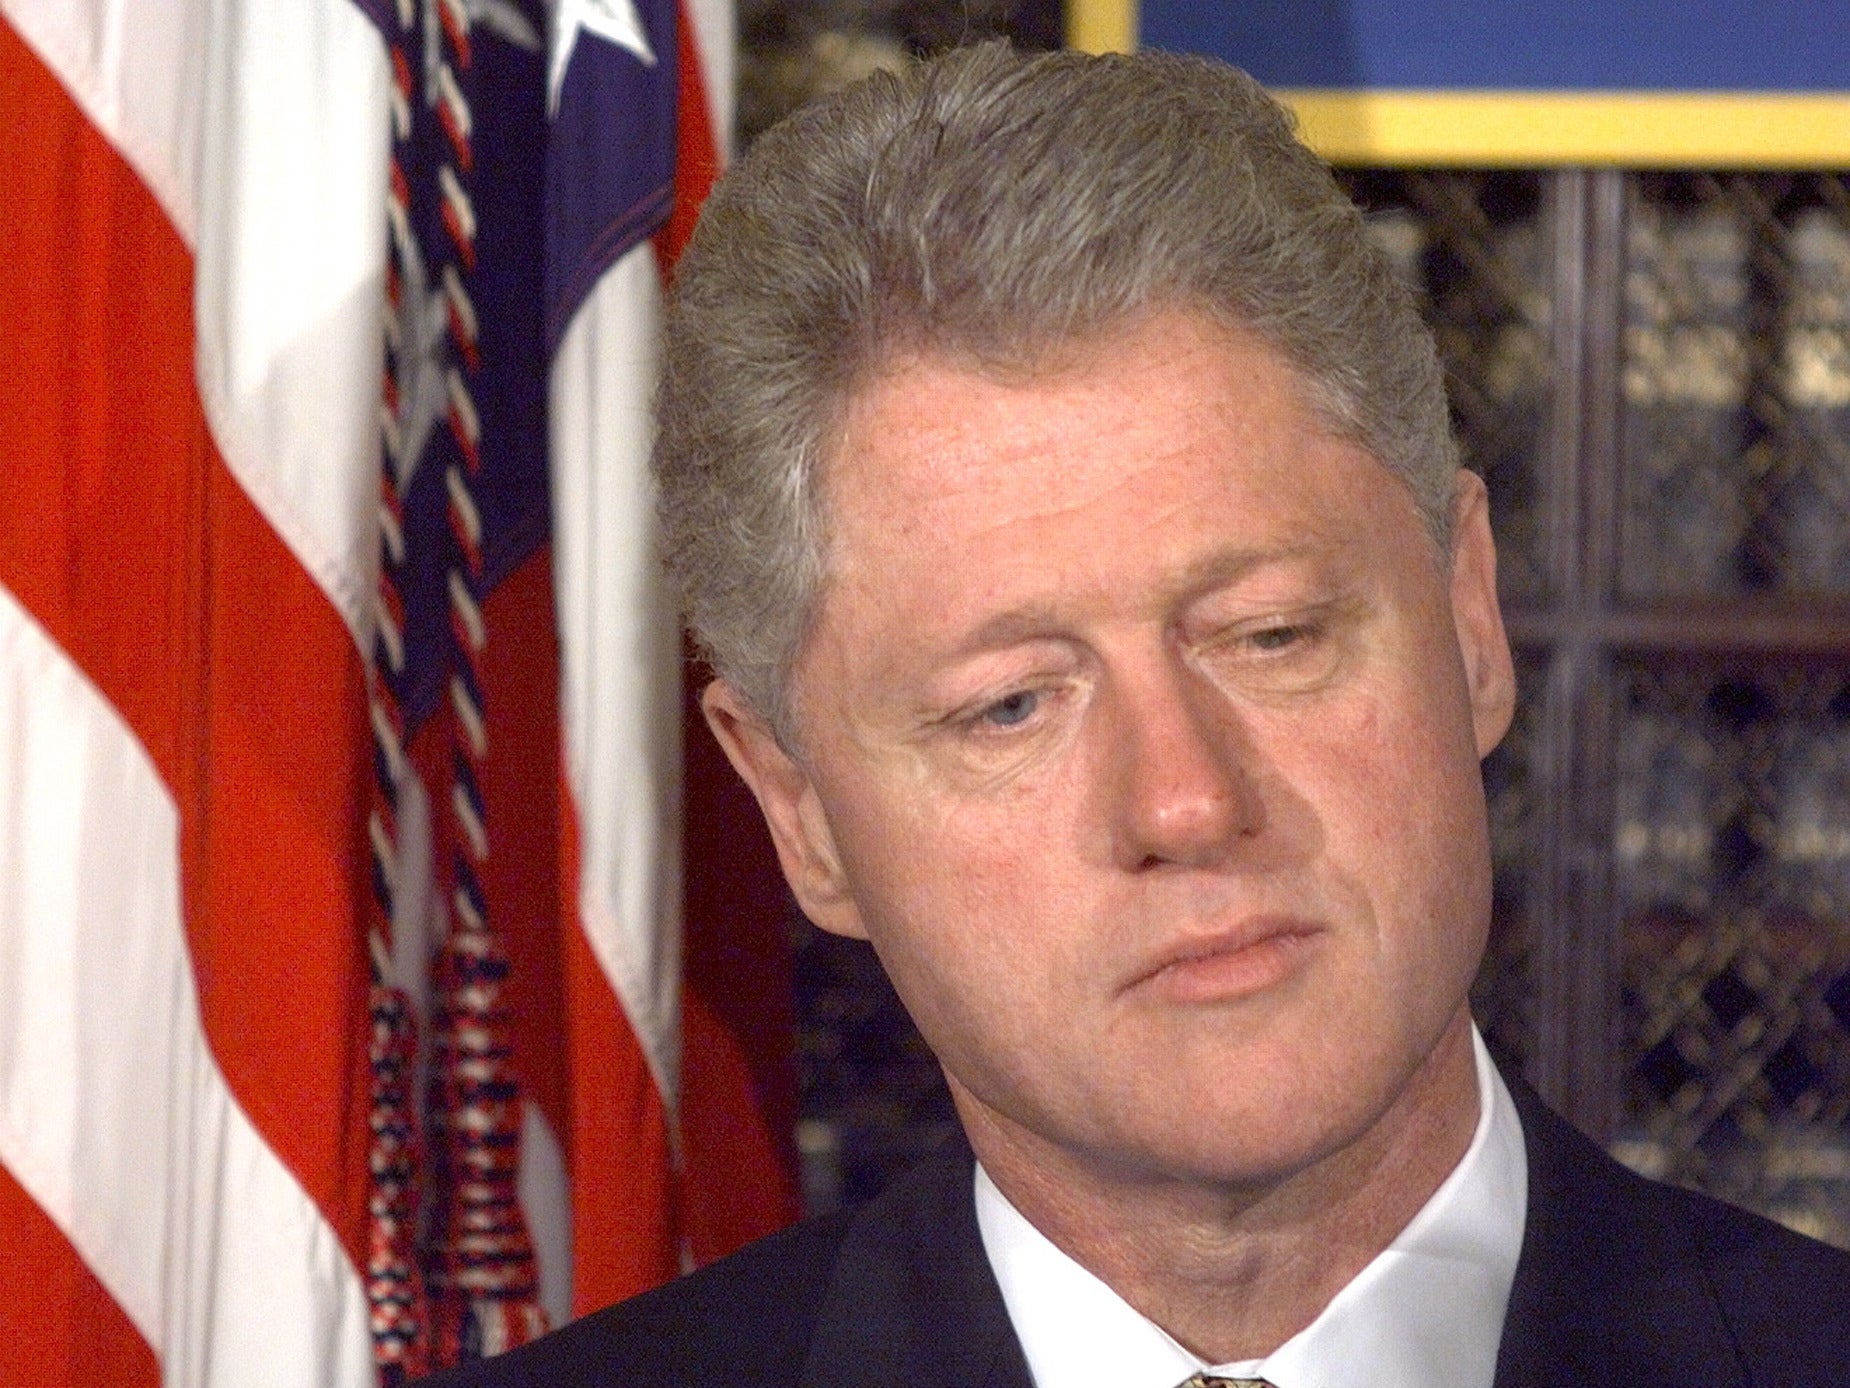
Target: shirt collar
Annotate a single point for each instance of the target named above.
(1426, 1313)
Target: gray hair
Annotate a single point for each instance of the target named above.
(995, 207)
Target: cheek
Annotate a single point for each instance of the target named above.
(1403, 809)
(957, 903)
(968, 907)
(1440, 846)
(974, 974)
(946, 854)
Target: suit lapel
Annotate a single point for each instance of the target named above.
(1610, 1287)
(912, 1303)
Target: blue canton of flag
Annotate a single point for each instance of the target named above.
(587, 184)
(611, 156)
(467, 334)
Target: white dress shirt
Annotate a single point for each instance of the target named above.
(1426, 1313)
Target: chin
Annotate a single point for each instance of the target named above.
(1282, 1116)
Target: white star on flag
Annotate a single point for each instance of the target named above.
(615, 20)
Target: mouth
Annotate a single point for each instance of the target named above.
(1229, 965)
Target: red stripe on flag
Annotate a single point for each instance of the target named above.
(62, 1326)
(739, 1106)
(520, 784)
(696, 155)
(738, 1174)
(131, 543)
(738, 1113)
(623, 1193)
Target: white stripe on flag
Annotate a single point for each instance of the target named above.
(546, 1201)
(113, 1114)
(137, 68)
(619, 654)
(717, 42)
(263, 132)
(291, 278)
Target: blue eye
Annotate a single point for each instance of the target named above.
(1016, 708)
(1277, 638)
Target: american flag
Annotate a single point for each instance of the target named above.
(344, 1021)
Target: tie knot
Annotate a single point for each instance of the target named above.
(1215, 1381)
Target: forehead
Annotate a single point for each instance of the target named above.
(1116, 429)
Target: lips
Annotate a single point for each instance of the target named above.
(1232, 964)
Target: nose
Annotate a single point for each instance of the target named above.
(1181, 788)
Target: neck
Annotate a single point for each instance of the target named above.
(1233, 1268)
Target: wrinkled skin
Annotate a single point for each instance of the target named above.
(1141, 724)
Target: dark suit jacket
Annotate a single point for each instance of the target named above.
(1621, 1282)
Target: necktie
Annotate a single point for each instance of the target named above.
(1213, 1381)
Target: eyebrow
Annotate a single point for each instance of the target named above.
(1218, 570)
(1036, 621)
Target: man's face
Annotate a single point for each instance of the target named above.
(1140, 734)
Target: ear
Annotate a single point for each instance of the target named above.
(787, 796)
(1490, 677)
